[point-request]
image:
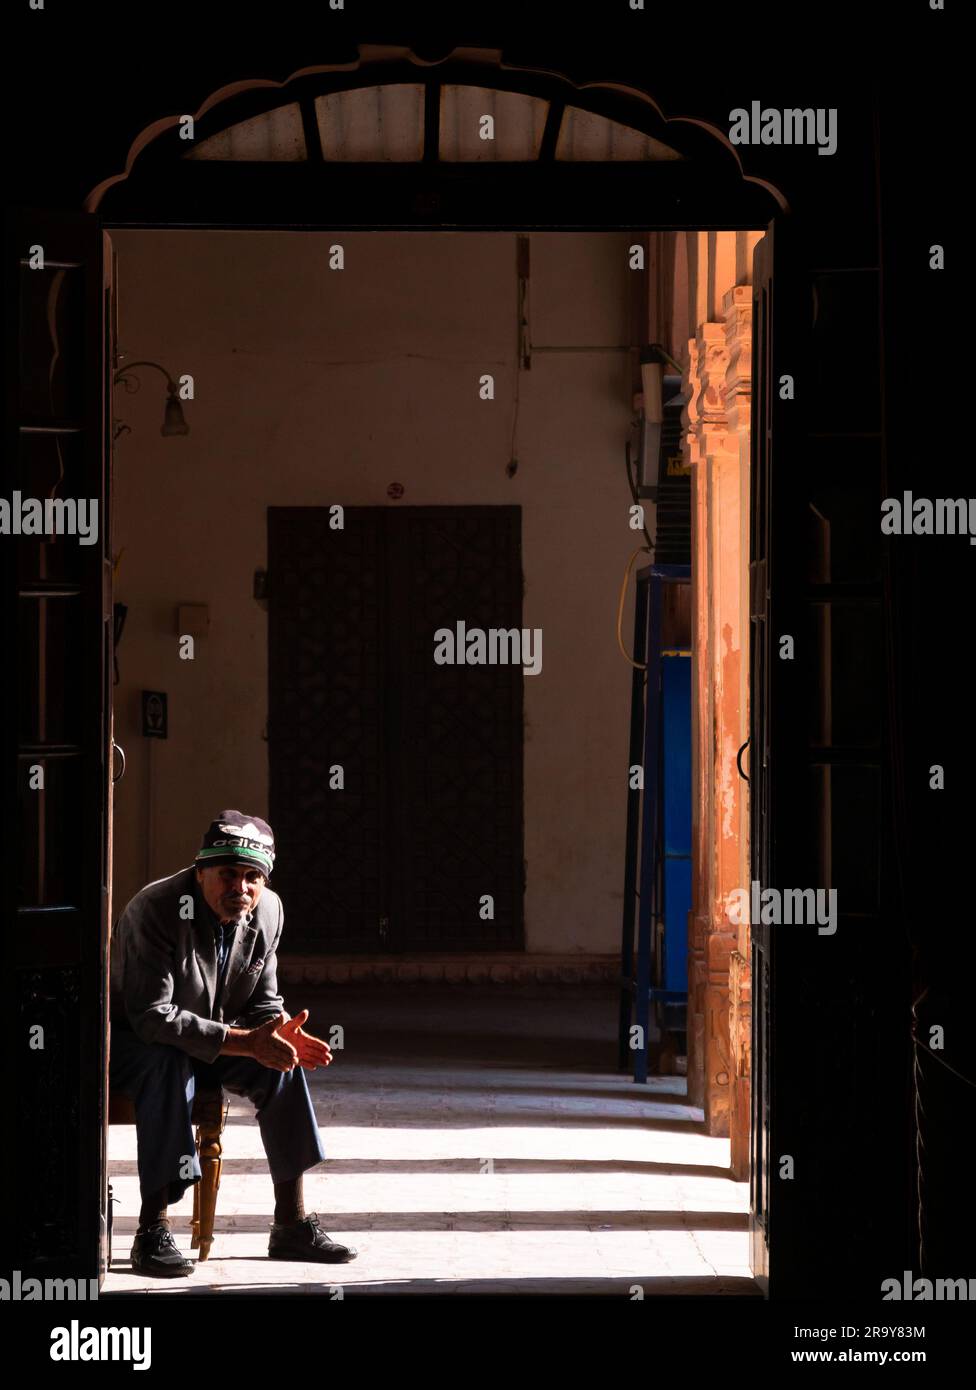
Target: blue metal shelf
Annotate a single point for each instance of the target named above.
(658, 830)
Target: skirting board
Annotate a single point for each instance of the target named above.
(453, 969)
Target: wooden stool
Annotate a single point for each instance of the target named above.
(209, 1114)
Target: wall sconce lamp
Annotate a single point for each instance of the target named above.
(173, 419)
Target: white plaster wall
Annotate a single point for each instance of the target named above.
(316, 386)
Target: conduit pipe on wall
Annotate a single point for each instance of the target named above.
(641, 550)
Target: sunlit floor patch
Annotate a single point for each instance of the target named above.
(470, 1175)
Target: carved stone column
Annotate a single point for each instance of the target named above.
(719, 471)
(700, 724)
(716, 442)
(708, 1060)
(737, 306)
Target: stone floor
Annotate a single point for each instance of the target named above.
(479, 1140)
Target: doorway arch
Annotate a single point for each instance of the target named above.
(382, 142)
(429, 193)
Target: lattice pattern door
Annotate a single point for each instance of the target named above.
(459, 761)
(326, 652)
(428, 817)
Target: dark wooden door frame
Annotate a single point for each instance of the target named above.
(427, 197)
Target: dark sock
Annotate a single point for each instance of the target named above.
(289, 1202)
(153, 1210)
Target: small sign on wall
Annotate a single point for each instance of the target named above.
(154, 714)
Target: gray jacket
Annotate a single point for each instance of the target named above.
(164, 967)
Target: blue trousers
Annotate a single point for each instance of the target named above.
(161, 1082)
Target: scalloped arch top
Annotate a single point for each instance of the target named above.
(384, 120)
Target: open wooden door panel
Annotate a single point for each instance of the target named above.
(57, 596)
(829, 987)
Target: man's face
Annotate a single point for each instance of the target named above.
(231, 890)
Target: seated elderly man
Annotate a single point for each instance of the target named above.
(195, 998)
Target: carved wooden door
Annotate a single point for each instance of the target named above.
(396, 782)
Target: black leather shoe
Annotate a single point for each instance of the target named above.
(154, 1252)
(307, 1241)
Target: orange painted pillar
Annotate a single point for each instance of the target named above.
(717, 446)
